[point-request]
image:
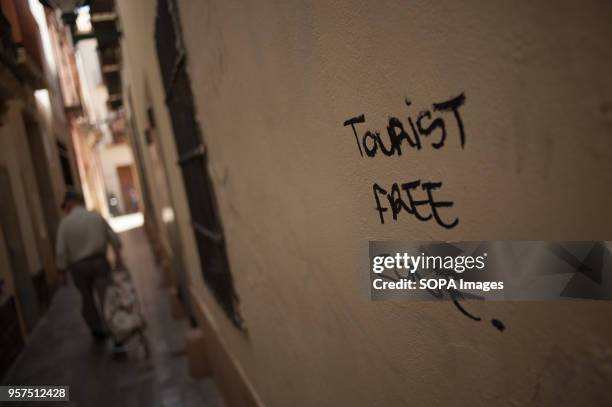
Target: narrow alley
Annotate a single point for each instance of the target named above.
(322, 203)
(62, 352)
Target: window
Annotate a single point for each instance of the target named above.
(118, 130)
(193, 159)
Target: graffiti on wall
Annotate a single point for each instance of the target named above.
(429, 129)
(438, 127)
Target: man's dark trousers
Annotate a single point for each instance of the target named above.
(92, 276)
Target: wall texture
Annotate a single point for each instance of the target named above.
(14, 155)
(273, 85)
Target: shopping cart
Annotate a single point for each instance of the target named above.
(122, 312)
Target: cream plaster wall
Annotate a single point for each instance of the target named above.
(273, 84)
(142, 71)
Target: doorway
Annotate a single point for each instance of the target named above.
(44, 180)
(129, 193)
(64, 157)
(22, 278)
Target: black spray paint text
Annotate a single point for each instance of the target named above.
(406, 199)
(426, 128)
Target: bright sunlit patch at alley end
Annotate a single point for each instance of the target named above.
(305, 203)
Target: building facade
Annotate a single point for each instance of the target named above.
(37, 165)
(265, 139)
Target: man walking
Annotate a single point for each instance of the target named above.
(82, 240)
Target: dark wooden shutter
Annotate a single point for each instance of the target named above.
(193, 159)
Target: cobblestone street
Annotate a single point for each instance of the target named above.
(62, 352)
